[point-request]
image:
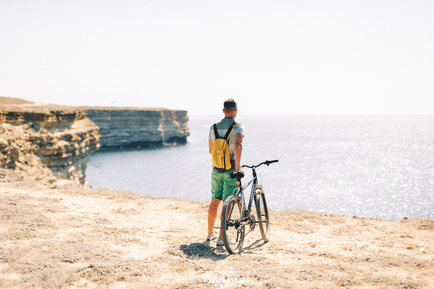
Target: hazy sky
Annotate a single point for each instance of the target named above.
(273, 57)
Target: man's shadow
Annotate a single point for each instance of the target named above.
(204, 250)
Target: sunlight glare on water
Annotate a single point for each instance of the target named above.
(369, 166)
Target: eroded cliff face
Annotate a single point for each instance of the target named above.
(49, 143)
(53, 143)
(136, 128)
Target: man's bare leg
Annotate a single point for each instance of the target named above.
(228, 211)
(212, 214)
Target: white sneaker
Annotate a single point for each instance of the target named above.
(211, 237)
(221, 243)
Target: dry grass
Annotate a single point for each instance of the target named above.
(77, 238)
(426, 224)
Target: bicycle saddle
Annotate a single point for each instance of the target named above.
(237, 175)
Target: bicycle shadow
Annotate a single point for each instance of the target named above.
(216, 253)
(253, 246)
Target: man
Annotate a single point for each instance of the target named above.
(222, 186)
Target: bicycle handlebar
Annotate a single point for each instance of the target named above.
(239, 174)
(263, 163)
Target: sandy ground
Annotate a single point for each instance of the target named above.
(81, 238)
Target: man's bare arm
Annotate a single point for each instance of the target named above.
(210, 145)
(238, 149)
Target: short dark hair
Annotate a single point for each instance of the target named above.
(230, 104)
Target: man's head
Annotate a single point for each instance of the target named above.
(230, 108)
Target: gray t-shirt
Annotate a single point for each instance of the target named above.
(222, 128)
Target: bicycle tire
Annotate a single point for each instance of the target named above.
(230, 225)
(262, 211)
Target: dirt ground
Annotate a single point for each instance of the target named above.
(69, 237)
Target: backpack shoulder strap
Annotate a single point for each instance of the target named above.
(216, 134)
(231, 128)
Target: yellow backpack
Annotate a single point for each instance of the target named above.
(220, 149)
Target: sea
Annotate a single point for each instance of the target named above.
(365, 166)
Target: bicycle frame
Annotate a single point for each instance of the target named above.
(253, 181)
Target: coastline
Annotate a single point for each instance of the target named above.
(73, 237)
(53, 142)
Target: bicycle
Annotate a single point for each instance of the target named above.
(235, 216)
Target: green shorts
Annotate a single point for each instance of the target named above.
(222, 186)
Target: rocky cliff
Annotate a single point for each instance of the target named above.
(49, 143)
(139, 127)
(53, 143)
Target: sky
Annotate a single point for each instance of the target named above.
(273, 57)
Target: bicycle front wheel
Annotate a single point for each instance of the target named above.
(262, 211)
(231, 225)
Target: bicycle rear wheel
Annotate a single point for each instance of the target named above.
(232, 230)
(262, 211)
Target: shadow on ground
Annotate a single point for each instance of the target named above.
(204, 250)
(255, 245)
(201, 250)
